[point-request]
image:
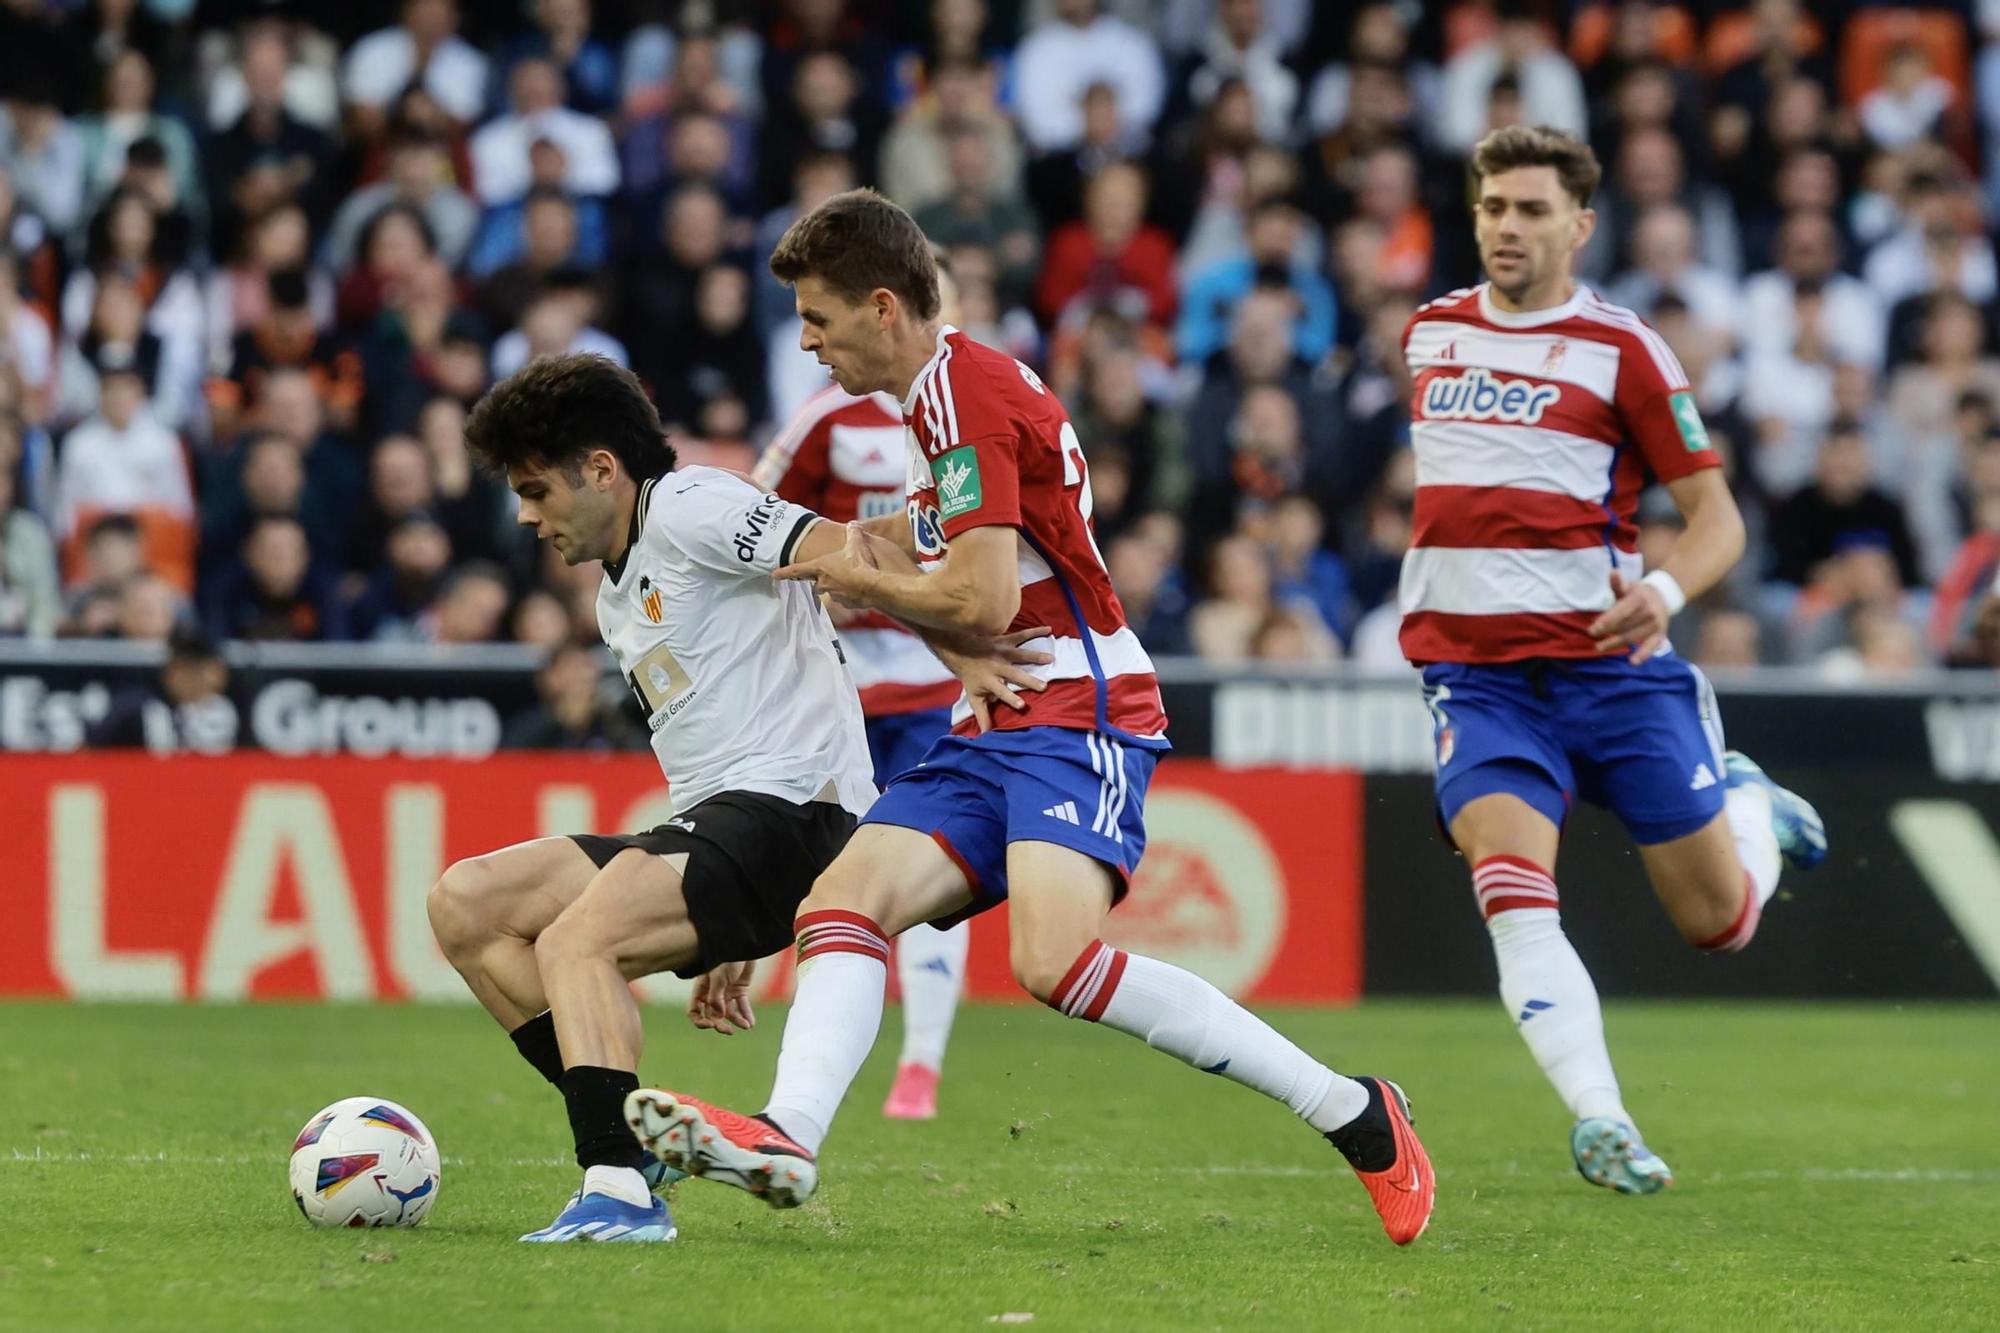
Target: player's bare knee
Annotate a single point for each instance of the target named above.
(1707, 914)
(1040, 965)
(461, 907)
(571, 937)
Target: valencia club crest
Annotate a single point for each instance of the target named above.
(649, 599)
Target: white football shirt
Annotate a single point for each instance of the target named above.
(739, 675)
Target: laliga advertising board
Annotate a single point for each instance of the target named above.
(255, 876)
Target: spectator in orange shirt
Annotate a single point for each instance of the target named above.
(1388, 196)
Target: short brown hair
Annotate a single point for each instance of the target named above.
(1538, 146)
(856, 242)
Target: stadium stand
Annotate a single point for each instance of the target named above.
(258, 260)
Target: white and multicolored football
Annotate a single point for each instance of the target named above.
(365, 1162)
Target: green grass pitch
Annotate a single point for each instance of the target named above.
(1839, 1167)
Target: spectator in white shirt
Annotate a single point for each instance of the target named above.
(1910, 103)
(1663, 261)
(121, 459)
(1808, 250)
(1240, 44)
(308, 90)
(44, 155)
(502, 170)
(557, 322)
(1551, 89)
(1059, 61)
(1941, 246)
(425, 49)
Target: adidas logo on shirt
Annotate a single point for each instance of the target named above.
(1703, 778)
(1066, 812)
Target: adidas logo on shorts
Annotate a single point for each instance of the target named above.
(1703, 778)
(1066, 812)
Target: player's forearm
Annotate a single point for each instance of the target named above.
(895, 528)
(1709, 548)
(941, 601)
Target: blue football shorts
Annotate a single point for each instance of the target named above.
(1085, 790)
(897, 742)
(1645, 742)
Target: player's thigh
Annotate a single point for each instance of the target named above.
(1503, 823)
(1057, 899)
(515, 891)
(633, 911)
(895, 876)
(1698, 877)
(1076, 831)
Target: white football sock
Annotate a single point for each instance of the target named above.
(623, 1183)
(930, 967)
(1553, 1002)
(836, 1012)
(1748, 809)
(1173, 1010)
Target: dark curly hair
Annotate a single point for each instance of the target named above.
(556, 409)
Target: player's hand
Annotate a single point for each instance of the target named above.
(840, 613)
(720, 1001)
(1636, 621)
(994, 671)
(848, 574)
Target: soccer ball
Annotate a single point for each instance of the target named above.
(365, 1162)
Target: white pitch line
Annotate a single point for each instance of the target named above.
(1808, 1175)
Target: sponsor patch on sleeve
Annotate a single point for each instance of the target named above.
(956, 473)
(1688, 419)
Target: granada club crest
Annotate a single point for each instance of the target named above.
(649, 599)
(1553, 362)
(1447, 745)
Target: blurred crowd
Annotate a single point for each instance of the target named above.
(259, 259)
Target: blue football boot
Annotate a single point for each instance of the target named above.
(1801, 832)
(600, 1217)
(1610, 1153)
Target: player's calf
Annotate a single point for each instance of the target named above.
(1702, 880)
(1739, 930)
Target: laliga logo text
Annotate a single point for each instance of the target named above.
(1477, 395)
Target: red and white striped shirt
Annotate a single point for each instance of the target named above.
(991, 446)
(844, 458)
(1534, 434)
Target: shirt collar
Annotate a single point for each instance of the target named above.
(615, 570)
(910, 399)
(1530, 319)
